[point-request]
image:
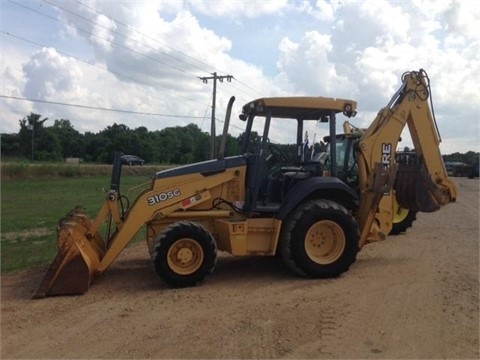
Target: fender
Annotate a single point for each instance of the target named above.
(317, 187)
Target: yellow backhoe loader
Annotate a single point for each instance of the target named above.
(258, 204)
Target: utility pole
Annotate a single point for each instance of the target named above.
(214, 77)
(32, 127)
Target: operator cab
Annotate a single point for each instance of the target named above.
(274, 170)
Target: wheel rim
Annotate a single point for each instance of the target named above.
(325, 242)
(399, 214)
(185, 256)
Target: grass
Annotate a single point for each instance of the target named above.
(24, 170)
(32, 206)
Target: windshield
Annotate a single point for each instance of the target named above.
(347, 167)
(341, 150)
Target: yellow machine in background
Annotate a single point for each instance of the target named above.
(258, 204)
(346, 144)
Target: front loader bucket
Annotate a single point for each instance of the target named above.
(76, 262)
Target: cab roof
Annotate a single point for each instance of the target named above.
(299, 107)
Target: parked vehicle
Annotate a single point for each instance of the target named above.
(132, 160)
(458, 169)
(474, 171)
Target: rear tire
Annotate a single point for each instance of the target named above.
(320, 239)
(184, 254)
(402, 219)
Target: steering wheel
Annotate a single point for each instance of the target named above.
(352, 174)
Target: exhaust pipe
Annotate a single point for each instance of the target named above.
(221, 152)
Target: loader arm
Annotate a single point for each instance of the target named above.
(425, 188)
(82, 252)
(146, 208)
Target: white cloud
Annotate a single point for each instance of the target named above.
(250, 9)
(12, 81)
(197, 42)
(326, 9)
(102, 32)
(49, 74)
(306, 66)
(462, 19)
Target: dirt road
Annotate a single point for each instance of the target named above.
(415, 295)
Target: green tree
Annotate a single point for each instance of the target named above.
(145, 144)
(118, 137)
(11, 145)
(232, 145)
(31, 127)
(48, 147)
(94, 148)
(72, 143)
(169, 142)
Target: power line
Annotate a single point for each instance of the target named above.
(95, 65)
(248, 86)
(100, 108)
(126, 37)
(75, 57)
(117, 44)
(149, 37)
(229, 77)
(106, 39)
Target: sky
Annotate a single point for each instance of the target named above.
(139, 63)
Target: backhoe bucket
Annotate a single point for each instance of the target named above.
(415, 190)
(75, 264)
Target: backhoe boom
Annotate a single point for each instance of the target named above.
(423, 188)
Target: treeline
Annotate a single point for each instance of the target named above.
(468, 158)
(173, 145)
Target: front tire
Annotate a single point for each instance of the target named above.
(184, 254)
(320, 239)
